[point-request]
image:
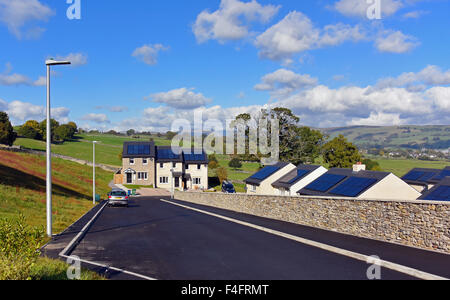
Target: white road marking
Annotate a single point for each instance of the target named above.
(80, 236)
(109, 267)
(361, 257)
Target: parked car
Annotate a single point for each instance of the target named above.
(118, 197)
(228, 188)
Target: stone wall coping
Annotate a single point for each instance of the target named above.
(426, 202)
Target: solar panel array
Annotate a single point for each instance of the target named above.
(441, 193)
(353, 186)
(139, 149)
(413, 175)
(195, 157)
(167, 154)
(300, 174)
(422, 176)
(265, 173)
(325, 182)
(442, 175)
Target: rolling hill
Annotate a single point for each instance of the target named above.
(406, 137)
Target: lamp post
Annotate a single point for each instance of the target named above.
(93, 173)
(173, 184)
(50, 63)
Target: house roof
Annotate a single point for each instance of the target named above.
(441, 176)
(138, 149)
(263, 174)
(295, 176)
(440, 192)
(167, 154)
(421, 176)
(343, 182)
(192, 156)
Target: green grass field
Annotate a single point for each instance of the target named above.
(107, 150)
(402, 166)
(22, 189)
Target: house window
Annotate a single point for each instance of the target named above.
(161, 166)
(197, 181)
(145, 161)
(253, 188)
(163, 180)
(142, 176)
(199, 167)
(132, 161)
(174, 165)
(186, 167)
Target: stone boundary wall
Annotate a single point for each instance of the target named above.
(422, 224)
(19, 149)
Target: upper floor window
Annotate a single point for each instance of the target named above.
(174, 165)
(161, 165)
(145, 161)
(131, 161)
(199, 167)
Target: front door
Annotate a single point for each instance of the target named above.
(129, 178)
(177, 182)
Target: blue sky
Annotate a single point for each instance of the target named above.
(143, 64)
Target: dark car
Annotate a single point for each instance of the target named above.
(228, 188)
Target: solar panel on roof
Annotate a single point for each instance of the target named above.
(353, 186)
(167, 154)
(139, 149)
(442, 175)
(413, 175)
(325, 182)
(442, 193)
(194, 157)
(427, 176)
(265, 173)
(300, 174)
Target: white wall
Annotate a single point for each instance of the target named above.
(195, 173)
(306, 181)
(266, 188)
(391, 188)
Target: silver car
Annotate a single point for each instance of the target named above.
(118, 197)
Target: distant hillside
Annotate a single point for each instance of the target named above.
(410, 137)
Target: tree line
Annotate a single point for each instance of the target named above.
(35, 130)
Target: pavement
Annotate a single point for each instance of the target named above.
(160, 240)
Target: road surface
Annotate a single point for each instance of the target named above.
(164, 241)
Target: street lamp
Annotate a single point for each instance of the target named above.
(93, 172)
(173, 184)
(50, 63)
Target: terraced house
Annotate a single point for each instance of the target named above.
(145, 164)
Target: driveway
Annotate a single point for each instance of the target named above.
(162, 240)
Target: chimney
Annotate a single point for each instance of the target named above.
(359, 167)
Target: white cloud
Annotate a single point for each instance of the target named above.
(181, 99)
(231, 21)
(149, 53)
(296, 33)
(16, 14)
(440, 97)
(42, 81)
(378, 119)
(96, 118)
(429, 76)
(14, 79)
(76, 59)
(20, 112)
(395, 42)
(414, 14)
(282, 83)
(359, 8)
